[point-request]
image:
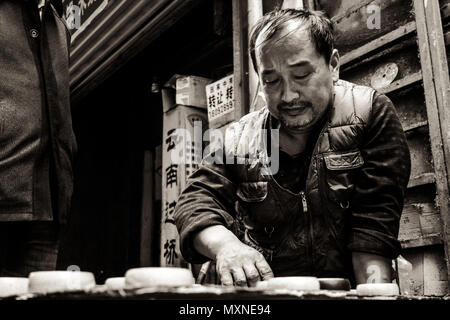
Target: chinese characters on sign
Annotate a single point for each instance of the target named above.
(169, 208)
(169, 251)
(171, 175)
(180, 158)
(171, 139)
(220, 97)
(170, 189)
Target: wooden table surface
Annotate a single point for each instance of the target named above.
(210, 292)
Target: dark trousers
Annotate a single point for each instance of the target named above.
(28, 246)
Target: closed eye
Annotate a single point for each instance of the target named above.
(271, 81)
(299, 77)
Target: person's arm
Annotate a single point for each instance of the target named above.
(380, 187)
(204, 216)
(207, 200)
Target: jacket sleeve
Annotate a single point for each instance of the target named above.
(381, 183)
(207, 200)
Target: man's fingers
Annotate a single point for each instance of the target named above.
(264, 269)
(241, 265)
(239, 277)
(226, 279)
(252, 274)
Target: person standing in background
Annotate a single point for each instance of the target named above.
(37, 143)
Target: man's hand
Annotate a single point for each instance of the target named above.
(236, 263)
(242, 265)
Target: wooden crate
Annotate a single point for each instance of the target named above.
(365, 51)
(429, 274)
(351, 23)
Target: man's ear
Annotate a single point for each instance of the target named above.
(334, 65)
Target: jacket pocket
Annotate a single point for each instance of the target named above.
(340, 174)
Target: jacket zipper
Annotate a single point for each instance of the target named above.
(304, 201)
(310, 235)
(305, 204)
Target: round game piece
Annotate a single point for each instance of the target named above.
(292, 283)
(353, 292)
(377, 289)
(334, 284)
(13, 286)
(158, 277)
(384, 76)
(262, 285)
(115, 283)
(60, 281)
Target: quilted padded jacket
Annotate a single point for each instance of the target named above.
(352, 201)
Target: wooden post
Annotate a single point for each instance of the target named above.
(436, 85)
(255, 12)
(440, 73)
(240, 57)
(157, 205)
(147, 219)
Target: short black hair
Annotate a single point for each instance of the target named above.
(320, 26)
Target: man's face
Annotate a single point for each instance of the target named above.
(296, 80)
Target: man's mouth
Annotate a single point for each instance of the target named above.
(293, 111)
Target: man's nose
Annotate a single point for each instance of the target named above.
(289, 93)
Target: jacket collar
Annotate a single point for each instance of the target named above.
(57, 4)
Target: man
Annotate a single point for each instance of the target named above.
(37, 143)
(333, 207)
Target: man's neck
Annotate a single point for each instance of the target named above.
(293, 143)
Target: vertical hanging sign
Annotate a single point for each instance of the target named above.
(182, 127)
(220, 100)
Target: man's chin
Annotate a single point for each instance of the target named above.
(297, 126)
